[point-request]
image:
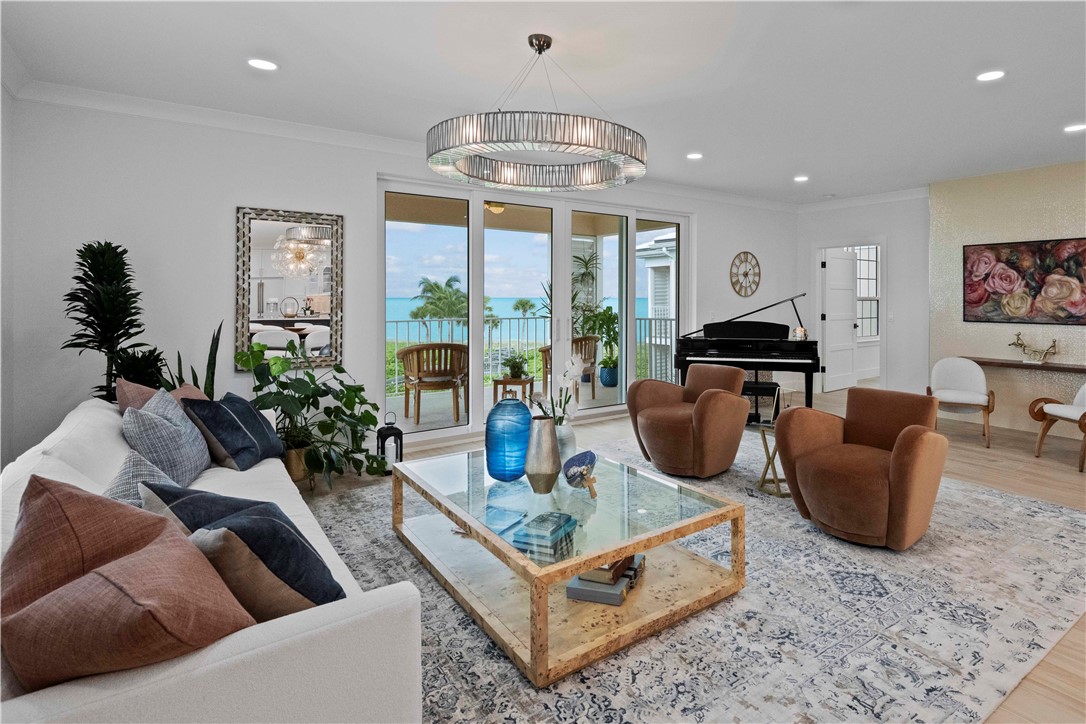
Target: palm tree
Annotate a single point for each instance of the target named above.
(441, 301)
(524, 306)
(492, 322)
(105, 304)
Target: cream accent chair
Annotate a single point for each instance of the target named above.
(1048, 412)
(316, 340)
(276, 339)
(960, 386)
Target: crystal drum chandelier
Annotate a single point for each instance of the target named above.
(461, 148)
(302, 251)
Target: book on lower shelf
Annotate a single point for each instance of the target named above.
(609, 573)
(612, 594)
(546, 538)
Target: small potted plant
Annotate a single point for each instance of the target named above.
(516, 364)
(604, 323)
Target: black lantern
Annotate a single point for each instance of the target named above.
(384, 434)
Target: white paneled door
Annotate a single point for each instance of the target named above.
(838, 319)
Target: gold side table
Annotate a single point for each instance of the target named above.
(771, 468)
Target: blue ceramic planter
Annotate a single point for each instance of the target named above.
(609, 376)
(507, 428)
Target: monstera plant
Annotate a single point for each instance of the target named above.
(322, 417)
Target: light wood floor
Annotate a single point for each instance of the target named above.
(1055, 691)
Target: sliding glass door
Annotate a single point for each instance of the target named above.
(491, 295)
(657, 271)
(427, 325)
(516, 299)
(598, 307)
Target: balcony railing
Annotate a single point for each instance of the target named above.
(505, 336)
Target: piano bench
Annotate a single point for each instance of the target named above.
(762, 389)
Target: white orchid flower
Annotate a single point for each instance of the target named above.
(574, 368)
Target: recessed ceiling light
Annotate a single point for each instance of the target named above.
(693, 156)
(1075, 128)
(990, 75)
(801, 179)
(829, 196)
(263, 64)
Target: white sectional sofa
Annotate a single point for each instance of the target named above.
(357, 659)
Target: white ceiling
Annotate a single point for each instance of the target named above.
(863, 97)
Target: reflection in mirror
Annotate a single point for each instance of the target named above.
(289, 275)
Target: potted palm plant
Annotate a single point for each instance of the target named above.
(106, 305)
(604, 324)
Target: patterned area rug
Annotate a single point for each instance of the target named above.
(824, 631)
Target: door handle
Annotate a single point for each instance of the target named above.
(855, 325)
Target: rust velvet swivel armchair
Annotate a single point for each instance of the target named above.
(693, 430)
(870, 477)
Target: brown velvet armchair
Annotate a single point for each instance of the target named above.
(693, 430)
(870, 477)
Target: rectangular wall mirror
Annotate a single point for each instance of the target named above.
(290, 282)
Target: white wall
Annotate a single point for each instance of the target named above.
(899, 224)
(7, 161)
(167, 191)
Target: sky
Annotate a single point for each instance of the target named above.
(517, 263)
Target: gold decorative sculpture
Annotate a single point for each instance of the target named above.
(1032, 355)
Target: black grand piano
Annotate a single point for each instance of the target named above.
(751, 345)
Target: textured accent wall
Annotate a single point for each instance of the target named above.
(1034, 204)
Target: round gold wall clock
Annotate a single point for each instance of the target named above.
(746, 274)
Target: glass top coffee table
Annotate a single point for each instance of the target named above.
(519, 598)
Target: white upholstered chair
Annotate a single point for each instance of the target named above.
(960, 386)
(317, 340)
(276, 339)
(1048, 412)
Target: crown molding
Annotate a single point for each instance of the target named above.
(35, 91)
(63, 95)
(22, 87)
(13, 74)
(886, 198)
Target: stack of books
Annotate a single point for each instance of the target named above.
(546, 538)
(608, 584)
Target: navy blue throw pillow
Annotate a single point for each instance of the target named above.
(237, 435)
(260, 554)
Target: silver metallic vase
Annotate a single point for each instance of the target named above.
(542, 465)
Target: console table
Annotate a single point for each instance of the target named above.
(1019, 364)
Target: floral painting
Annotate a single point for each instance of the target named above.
(1033, 282)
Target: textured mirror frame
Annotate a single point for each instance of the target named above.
(245, 217)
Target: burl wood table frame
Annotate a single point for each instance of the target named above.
(522, 606)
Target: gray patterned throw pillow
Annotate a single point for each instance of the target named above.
(161, 432)
(135, 469)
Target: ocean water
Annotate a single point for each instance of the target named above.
(398, 309)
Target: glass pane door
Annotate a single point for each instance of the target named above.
(426, 310)
(598, 308)
(657, 262)
(517, 300)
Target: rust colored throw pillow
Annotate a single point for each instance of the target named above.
(92, 585)
(129, 394)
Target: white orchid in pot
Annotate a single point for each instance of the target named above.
(562, 406)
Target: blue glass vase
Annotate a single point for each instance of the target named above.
(507, 428)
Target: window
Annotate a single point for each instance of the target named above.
(867, 291)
